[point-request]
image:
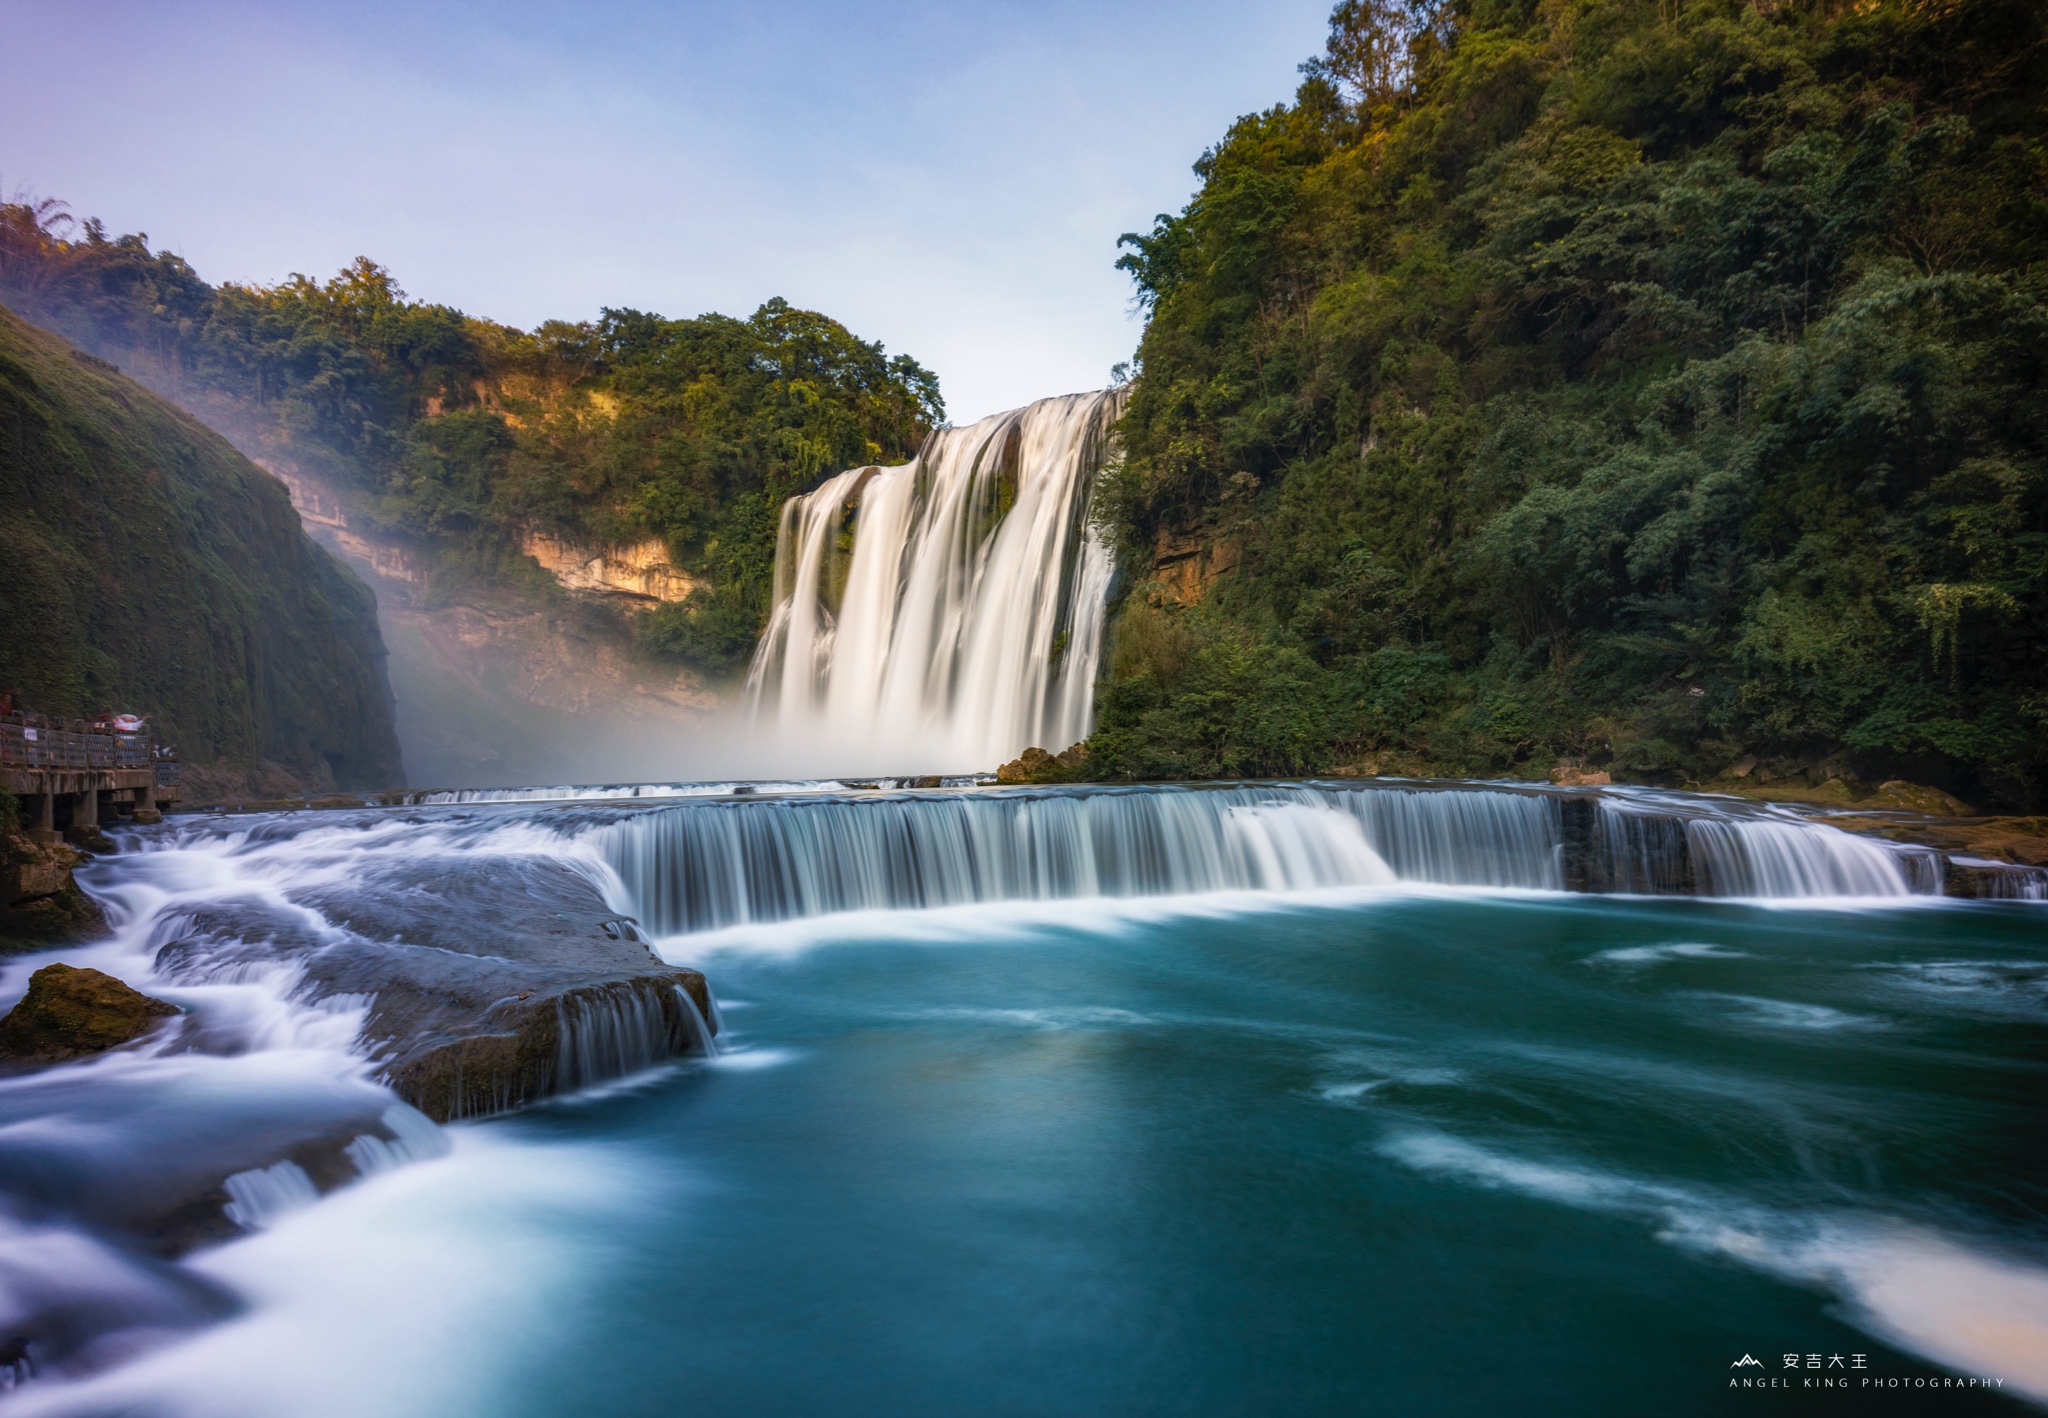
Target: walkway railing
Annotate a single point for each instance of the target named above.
(38, 741)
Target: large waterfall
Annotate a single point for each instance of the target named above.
(945, 614)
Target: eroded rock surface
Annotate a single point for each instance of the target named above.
(493, 981)
(40, 905)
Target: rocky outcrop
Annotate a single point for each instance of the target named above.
(1832, 785)
(640, 573)
(1991, 858)
(71, 1011)
(534, 1044)
(1186, 565)
(493, 984)
(40, 905)
(1035, 765)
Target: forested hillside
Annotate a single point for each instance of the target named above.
(458, 436)
(1651, 383)
(146, 566)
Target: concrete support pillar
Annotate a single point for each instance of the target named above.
(47, 814)
(145, 797)
(85, 812)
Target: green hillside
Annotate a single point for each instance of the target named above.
(1655, 385)
(145, 565)
(455, 436)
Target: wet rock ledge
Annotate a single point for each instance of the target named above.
(489, 985)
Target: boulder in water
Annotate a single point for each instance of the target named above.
(70, 1011)
(1035, 765)
(494, 982)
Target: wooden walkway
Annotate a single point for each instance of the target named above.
(76, 773)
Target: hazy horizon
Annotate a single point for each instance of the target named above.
(948, 180)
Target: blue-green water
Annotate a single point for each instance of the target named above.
(1392, 1149)
(1420, 1154)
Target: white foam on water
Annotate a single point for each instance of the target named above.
(1020, 922)
(1658, 954)
(1997, 988)
(1964, 1305)
(404, 1295)
(1065, 1017)
(1789, 1014)
(746, 1060)
(1380, 1068)
(1971, 1312)
(1351, 1090)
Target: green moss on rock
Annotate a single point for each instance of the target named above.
(70, 1011)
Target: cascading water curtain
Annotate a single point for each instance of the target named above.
(946, 614)
(708, 865)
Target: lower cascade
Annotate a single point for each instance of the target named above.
(346, 982)
(947, 613)
(714, 864)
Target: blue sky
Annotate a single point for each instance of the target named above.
(947, 178)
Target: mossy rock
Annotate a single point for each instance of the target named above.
(1035, 765)
(70, 1011)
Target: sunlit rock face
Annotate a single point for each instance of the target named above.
(947, 613)
(501, 688)
(641, 573)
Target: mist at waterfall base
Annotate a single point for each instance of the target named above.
(1267, 1098)
(934, 618)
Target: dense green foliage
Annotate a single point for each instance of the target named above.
(463, 435)
(146, 566)
(1651, 382)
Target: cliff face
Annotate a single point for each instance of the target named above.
(502, 684)
(146, 565)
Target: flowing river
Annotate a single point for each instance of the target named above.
(1301, 1098)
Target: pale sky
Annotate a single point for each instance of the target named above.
(947, 178)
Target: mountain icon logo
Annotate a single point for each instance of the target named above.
(1747, 1362)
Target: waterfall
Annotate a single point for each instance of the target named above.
(259, 1196)
(717, 864)
(1790, 859)
(611, 1031)
(708, 864)
(945, 614)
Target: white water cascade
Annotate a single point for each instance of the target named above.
(709, 864)
(946, 614)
